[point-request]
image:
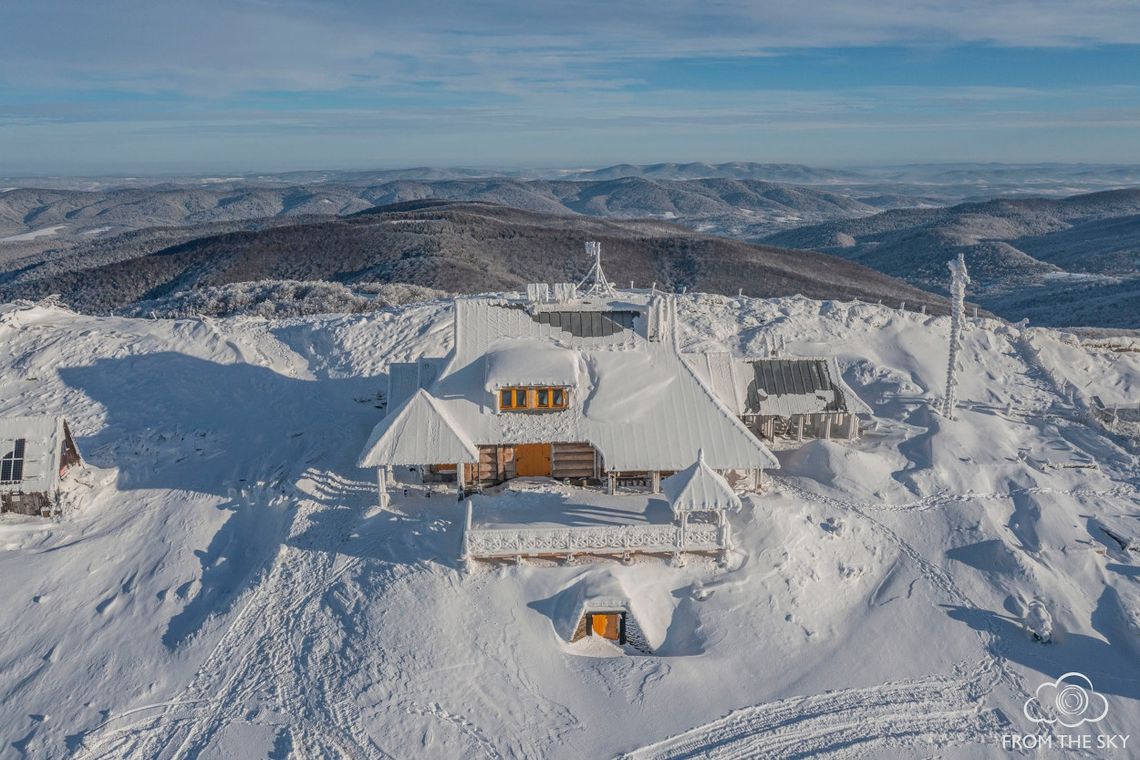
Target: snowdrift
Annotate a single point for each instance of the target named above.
(223, 585)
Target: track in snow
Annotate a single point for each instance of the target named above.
(934, 711)
(262, 672)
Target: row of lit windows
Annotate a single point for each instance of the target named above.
(540, 398)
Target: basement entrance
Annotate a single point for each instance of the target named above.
(532, 460)
(608, 625)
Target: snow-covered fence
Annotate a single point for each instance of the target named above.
(1123, 419)
(491, 543)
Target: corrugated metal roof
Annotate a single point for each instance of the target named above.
(792, 386)
(40, 461)
(718, 370)
(699, 488)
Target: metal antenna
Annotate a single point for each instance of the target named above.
(599, 285)
(959, 279)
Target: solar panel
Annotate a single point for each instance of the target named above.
(12, 463)
(588, 324)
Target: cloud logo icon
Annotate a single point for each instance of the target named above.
(1069, 701)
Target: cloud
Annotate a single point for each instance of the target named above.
(438, 80)
(1069, 701)
(211, 48)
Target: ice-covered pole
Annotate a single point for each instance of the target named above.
(596, 280)
(959, 279)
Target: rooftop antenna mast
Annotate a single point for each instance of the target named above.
(959, 279)
(599, 285)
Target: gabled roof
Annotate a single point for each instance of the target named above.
(699, 488)
(635, 400)
(39, 454)
(405, 378)
(418, 432)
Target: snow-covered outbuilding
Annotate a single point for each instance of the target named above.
(793, 397)
(589, 389)
(699, 489)
(36, 453)
(598, 604)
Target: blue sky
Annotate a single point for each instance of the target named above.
(269, 85)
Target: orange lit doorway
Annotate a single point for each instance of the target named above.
(607, 625)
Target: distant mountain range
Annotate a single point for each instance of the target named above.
(1055, 261)
(37, 217)
(450, 246)
(946, 182)
(1068, 260)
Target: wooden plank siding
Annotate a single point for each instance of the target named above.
(575, 461)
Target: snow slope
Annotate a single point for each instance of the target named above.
(223, 586)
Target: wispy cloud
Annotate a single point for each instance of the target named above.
(435, 80)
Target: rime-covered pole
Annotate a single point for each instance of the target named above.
(596, 278)
(959, 279)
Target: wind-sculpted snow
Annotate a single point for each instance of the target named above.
(223, 585)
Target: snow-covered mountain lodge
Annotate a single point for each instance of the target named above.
(585, 388)
(36, 453)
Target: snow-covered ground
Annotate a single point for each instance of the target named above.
(222, 584)
(34, 234)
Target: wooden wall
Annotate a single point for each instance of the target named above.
(25, 503)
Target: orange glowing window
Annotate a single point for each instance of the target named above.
(512, 398)
(540, 398)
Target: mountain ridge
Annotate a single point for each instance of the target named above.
(462, 247)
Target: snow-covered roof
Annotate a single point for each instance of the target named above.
(633, 397)
(405, 378)
(719, 370)
(403, 382)
(611, 590)
(780, 387)
(418, 432)
(38, 454)
(593, 592)
(530, 362)
(699, 488)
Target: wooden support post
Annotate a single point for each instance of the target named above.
(827, 427)
(656, 481)
(799, 427)
(465, 550)
(461, 478)
(382, 485)
(612, 482)
(852, 426)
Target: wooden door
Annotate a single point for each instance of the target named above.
(532, 460)
(607, 625)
